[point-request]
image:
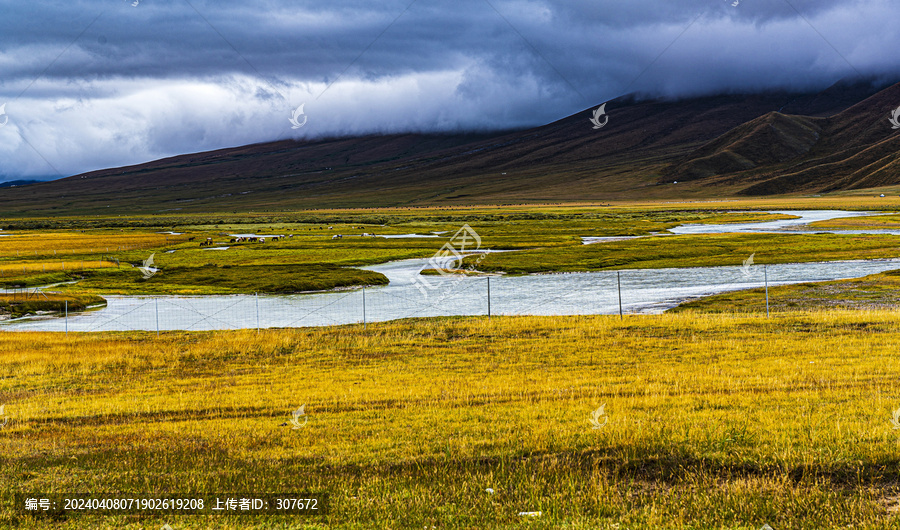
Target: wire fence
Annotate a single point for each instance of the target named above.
(609, 292)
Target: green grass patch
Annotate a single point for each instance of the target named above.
(226, 279)
(15, 305)
(873, 292)
(692, 251)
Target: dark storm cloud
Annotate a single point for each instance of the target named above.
(91, 84)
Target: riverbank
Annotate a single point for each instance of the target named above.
(34, 303)
(874, 292)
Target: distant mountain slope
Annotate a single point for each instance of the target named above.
(725, 144)
(15, 183)
(775, 154)
(769, 139)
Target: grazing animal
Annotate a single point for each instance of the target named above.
(274, 239)
(262, 240)
(192, 238)
(337, 236)
(232, 240)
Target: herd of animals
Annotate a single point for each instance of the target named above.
(257, 239)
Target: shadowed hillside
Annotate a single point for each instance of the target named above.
(776, 154)
(720, 145)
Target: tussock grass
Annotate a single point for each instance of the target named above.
(15, 305)
(715, 420)
(872, 292)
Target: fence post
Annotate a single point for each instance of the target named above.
(489, 296)
(257, 313)
(156, 303)
(619, 284)
(365, 323)
(766, 274)
(67, 317)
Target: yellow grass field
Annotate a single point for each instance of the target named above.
(30, 244)
(710, 421)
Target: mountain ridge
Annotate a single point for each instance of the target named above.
(728, 144)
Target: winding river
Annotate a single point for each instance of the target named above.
(407, 295)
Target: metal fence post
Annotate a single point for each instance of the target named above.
(766, 274)
(619, 285)
(489, 296)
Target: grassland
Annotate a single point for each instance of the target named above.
(714, 421)
(15, 305)
(101, 259)
(694, 251)
(873, 292)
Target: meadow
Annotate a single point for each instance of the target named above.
(99, 258)
(710, 421)
(713, 415)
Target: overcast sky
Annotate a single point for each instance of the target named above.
(90, 84)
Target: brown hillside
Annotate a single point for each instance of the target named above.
(722, 144)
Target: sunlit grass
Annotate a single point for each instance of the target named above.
(715, 421)
(29, 244)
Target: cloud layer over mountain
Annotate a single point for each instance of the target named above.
(91, 84)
